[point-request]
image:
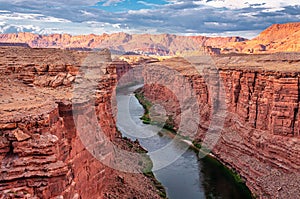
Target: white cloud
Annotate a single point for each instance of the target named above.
(53, 2)
(86, 13)
(270, 10)
(116, 25)
(177, 16)
(10, 28)
(148, 4)
(246, 34)
(216, 24)
(111, 2)
(31, 17)
(238, 4)
(141, 11)
(41, 24)
(53, 19)
(19, 16)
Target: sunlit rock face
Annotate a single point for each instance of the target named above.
(44, 101)
(276, 38)
(253, 100)
(120, 43)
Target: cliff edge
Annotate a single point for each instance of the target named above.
(42, 153)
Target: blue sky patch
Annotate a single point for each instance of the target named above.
(126, 5)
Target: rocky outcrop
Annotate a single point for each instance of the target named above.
(129, 68)
(276, 38)
(252, 99)
(248, 105)
(278, 32)
(42, 153)
(121, 43)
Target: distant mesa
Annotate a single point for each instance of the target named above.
(276, 38)
(122, 43)
(280, 32)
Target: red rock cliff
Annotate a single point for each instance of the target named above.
(162, 44)
(42, 154)
(253, 102)
(276, 38)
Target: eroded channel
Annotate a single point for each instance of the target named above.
(177, 167)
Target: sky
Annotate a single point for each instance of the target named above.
(183, 17)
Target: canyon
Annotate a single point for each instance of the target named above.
(276, 38)
(58, 136)
(253, 100)
(247, 108)
(41, 150)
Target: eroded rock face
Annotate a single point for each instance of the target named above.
(42, 152)
(276, 38)
(256, 98)
(163, 44)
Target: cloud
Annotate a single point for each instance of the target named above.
(172, 16)
(37, 23)
(6, 28)
(53, 2)
(148, 4)
(239, 4)
(13, 16)
(86, 13)
(182, 5)
(143, 12)
(6, 16)
(110, 2)
(247, 34)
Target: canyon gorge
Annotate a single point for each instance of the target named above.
(237, 98)
(42, 155)
(249, 102)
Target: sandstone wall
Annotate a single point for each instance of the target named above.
(129, 68)
(41, 153)
(163, 44)
(44, 92)
(260, 134)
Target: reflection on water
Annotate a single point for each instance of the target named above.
(176, 166)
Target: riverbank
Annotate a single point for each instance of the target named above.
(51, 145)
(147, 171)
(210, 159)
(127, 184)
(168, 124)
(133, 145)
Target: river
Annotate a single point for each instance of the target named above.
(183, 174)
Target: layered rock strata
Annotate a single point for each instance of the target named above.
(43, 104)
(160, 44)
(276, 38)
(247, 105)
